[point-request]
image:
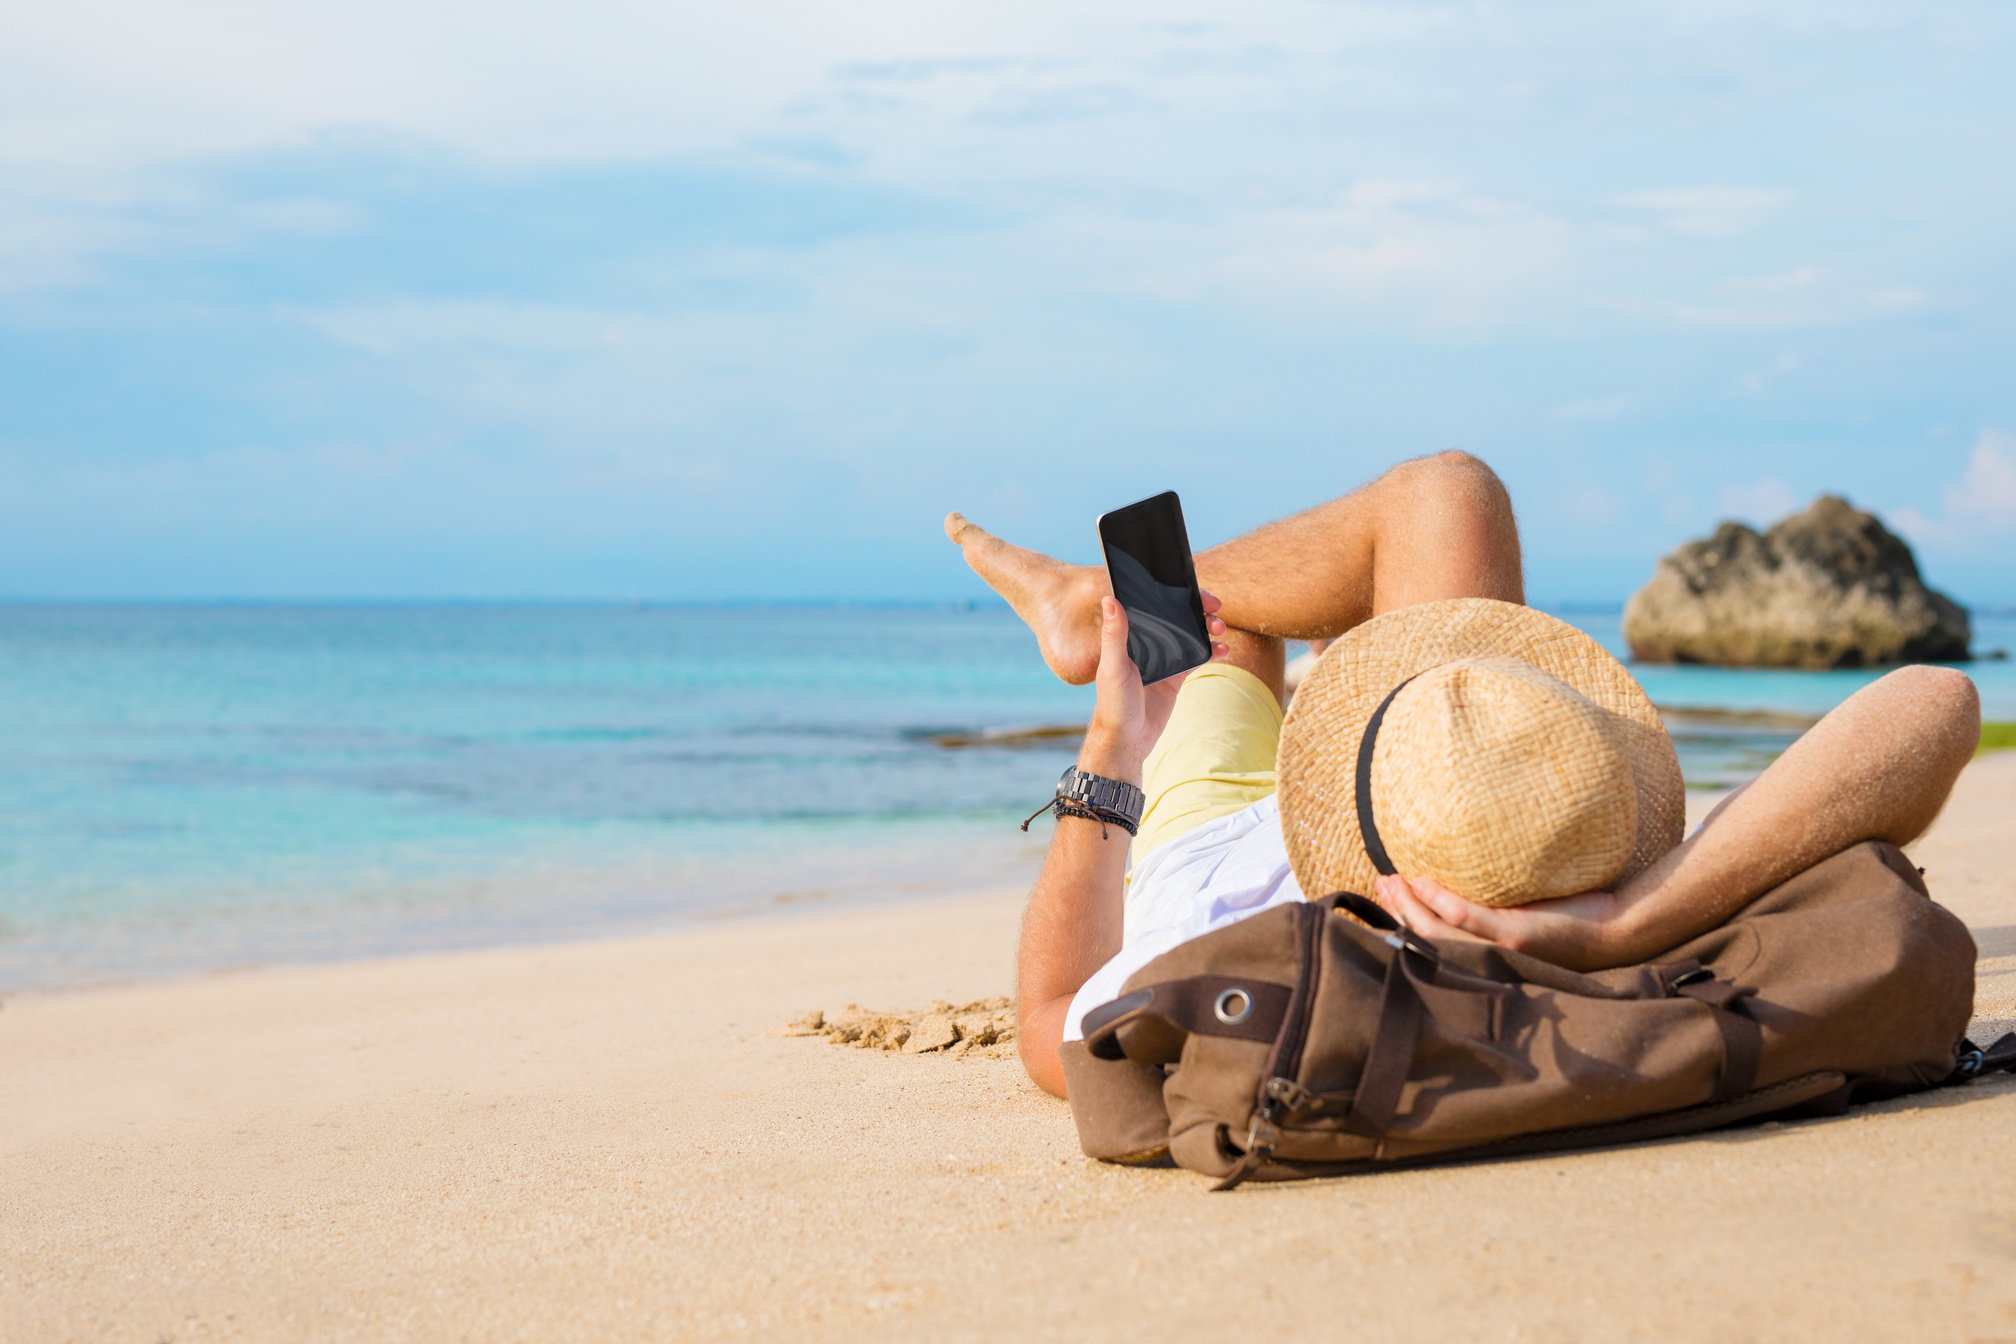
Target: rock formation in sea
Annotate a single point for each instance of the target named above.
(1830, 587)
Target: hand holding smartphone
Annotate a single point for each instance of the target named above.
(1154, 578)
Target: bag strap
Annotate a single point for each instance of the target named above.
(1367, 911)
(1390, 1058)
(1206, 1005)
(1975, 1060)
(1742, 1038)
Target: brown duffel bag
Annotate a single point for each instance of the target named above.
(1306, 1042)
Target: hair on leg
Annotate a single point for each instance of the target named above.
(1431, 528)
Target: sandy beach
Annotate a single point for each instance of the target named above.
(610, 1141)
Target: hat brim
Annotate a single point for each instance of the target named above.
(1317, 765)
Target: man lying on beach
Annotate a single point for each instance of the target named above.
(1210, 848)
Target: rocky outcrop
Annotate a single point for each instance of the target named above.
(1830, 587)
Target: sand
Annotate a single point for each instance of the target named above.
(614, 1141)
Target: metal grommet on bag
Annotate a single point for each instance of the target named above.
(1232, 1006)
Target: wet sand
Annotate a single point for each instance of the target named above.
(608, 1142)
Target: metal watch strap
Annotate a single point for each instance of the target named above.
(1111, 795)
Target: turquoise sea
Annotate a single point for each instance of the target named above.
(187, 788)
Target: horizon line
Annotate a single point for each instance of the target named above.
(910, 603)
(1562, 606)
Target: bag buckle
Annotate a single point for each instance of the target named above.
(1288, 1094)
(1263, 1133)
(1400, 940)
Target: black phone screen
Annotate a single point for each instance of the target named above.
(1148, 561)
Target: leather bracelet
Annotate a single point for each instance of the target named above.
(1101, 815)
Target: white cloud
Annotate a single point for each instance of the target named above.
(1917, 526)
(1712, 212)
(1386, 252)
(1266, 149)
(1765, 375)
(1987, 493)
(1760, 503)
(1595, 409)
(1982, 502)
(1664, 481)
(1594, 505)
(49, 242)
(1805, 296)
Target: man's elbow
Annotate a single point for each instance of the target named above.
(1038, 1036)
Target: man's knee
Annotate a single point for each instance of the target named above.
(1946, 705)
(1452, 478)
(1449, 471)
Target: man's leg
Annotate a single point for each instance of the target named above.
(1432, 528)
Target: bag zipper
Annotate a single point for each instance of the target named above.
(1280, 1093)
(1287, 1060)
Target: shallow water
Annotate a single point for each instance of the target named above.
(190, 787)
(1717, 749)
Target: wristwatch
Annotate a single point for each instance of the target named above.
(1106, 795)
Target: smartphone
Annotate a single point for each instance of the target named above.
(1148, 562)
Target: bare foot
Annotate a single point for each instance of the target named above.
(1060, 602)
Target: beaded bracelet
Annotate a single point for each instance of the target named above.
(1091, 812)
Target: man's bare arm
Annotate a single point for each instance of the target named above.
(1072, 927)
(1878, 768)
(1076, 910)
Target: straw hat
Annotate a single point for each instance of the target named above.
(1512, 759)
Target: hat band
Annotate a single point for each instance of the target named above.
(1375, 849)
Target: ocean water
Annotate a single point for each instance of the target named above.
(188, 788)
(1718, 747)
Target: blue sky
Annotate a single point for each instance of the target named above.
(642, 300)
